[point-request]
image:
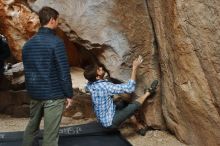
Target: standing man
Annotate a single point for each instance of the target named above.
(48, 81)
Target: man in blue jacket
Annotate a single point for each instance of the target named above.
(47, 78)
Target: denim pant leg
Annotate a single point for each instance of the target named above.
(53, 110)
(32, 129)
(125, 113)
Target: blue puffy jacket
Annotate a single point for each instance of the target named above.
(47, 73)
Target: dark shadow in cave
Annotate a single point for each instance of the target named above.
(89, 58)
(4, 53)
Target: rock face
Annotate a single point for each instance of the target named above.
(188, 44)
(18, 23)
(179, 41)
(15, 77)
(15, 103)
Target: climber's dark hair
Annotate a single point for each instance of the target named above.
(90, 72)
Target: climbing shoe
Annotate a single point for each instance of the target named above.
(153, 86)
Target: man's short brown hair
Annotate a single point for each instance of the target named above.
(46, 13)
(90, 73)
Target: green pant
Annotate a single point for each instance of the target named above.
(52, 111)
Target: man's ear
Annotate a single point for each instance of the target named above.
(52, 21)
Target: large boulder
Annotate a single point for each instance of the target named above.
(188, 46)
(122, 31)
(179, 41)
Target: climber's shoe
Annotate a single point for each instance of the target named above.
(153, 87)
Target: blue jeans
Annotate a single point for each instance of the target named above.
(123, 113)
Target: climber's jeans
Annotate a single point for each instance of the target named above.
(52, 111)
(124, 113)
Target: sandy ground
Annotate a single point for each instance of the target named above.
(152, 138)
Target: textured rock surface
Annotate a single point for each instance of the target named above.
(179, 41)
(18, 23)
(15, 76)
(106, 22)
(17, 103)
(188, 37)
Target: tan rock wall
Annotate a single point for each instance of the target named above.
(188, 38)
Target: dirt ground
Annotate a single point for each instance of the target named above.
(152, 138)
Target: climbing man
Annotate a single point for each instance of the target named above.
(102, 92)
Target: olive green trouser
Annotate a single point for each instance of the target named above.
(52, 111)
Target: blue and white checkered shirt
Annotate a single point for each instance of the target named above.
(102, 92)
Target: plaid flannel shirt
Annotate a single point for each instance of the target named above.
(102, 92)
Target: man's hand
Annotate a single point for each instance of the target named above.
(69, 102)
(137, 62)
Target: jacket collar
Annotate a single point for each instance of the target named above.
(46, 30)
